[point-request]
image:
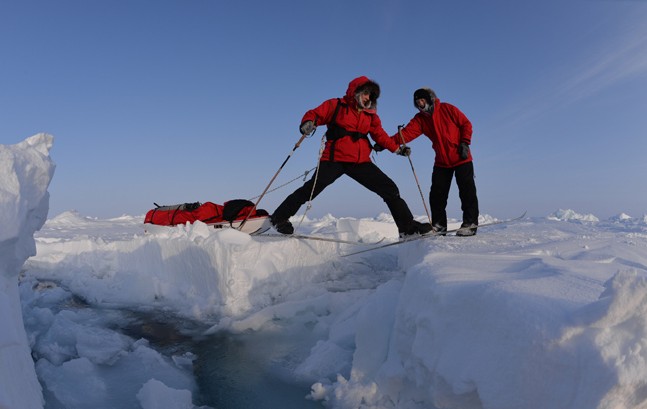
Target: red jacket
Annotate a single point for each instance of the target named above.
(365, 121)
(446, 127)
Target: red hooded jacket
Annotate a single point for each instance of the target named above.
(446, 127)
(353, 119)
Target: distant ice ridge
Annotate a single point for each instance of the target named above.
(568, 214)
(572, 215)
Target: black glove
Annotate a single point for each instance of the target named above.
(464, 150)
(307, 127)
(378, 148)
(403, 151)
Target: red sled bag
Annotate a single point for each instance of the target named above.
(208, 212)
(182, 213)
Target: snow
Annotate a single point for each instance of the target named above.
(547, 312)
(25, 173)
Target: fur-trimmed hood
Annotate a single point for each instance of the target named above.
(427, 94)
(361, 84)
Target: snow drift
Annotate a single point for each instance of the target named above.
(25, 173)
(544, 313)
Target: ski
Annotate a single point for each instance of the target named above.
(432, 234)
(318, 238)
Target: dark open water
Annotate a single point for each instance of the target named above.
(232, 371)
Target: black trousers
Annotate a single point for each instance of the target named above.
(366, 174)
(441, 181)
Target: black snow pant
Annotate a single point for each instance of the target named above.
(441, 181)
(366, 174)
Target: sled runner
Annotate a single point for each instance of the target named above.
(228, 215)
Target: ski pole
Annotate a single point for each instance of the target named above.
(414, 173)
(296, 145)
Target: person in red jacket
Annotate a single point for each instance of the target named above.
(350, 120)
(450, 133)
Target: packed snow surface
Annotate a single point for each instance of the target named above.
(543, 313)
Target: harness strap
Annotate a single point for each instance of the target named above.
(333, 131)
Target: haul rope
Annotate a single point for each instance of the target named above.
(296, 146)
(303, 176)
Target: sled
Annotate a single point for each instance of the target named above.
(228, 215)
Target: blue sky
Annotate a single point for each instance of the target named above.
(200, 100)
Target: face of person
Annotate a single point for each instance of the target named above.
(421, 103)
(364, 98)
